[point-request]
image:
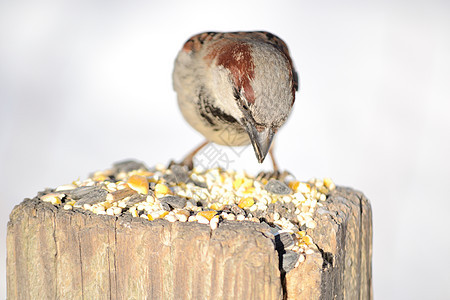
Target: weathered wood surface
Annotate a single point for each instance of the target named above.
(58, 254)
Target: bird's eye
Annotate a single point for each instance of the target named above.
(245, 107)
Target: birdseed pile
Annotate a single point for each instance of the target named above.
(209, 197)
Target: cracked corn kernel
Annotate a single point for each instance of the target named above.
(323, 190)
(208, 214)
(138, 183)
(53, 198)
(217, 206)
(329, 184)
(141, 173)
(161, 216)
(304, 187)
(246, 202)
(162, 189)
(249, 190)
(237, 183)
(248, 183)
(307, 240)
(99, 176)
(294, 185)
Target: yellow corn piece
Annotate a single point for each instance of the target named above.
(304, 187)
(208, 214)
(142, 173)
(99, 177)
(247, 183)
(52, 197)
(307, 240)
(294, 185)
(150, 218)
(237, 183)
(249, 190)
(246, 202)
(329, 183)
(138, 183)
(163, 215)
(162, 189)
(217, 206)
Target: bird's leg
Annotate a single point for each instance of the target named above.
(272, 156)
(189, 159)
(276, 174)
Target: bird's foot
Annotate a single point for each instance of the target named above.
(189, 164)
(276, 174)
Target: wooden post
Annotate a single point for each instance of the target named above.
(58, 254)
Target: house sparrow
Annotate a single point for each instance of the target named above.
(235, 88)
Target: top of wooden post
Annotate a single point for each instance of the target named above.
(319, 235)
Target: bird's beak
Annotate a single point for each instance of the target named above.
(261, 140)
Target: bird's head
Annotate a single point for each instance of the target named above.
(254, 76)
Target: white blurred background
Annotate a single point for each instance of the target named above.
(84, 84)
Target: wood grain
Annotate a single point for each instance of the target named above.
(57, 254)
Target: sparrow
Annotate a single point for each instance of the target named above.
(235, 88)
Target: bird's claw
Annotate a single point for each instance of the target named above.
(276, 174)
(184, 163)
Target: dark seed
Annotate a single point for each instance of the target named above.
(277, 187)
(136, 198)
(286, 239)
(128, 166)
(290, 258)
(95, 196)
(81, 192)
(178, 174)
(172, 202)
